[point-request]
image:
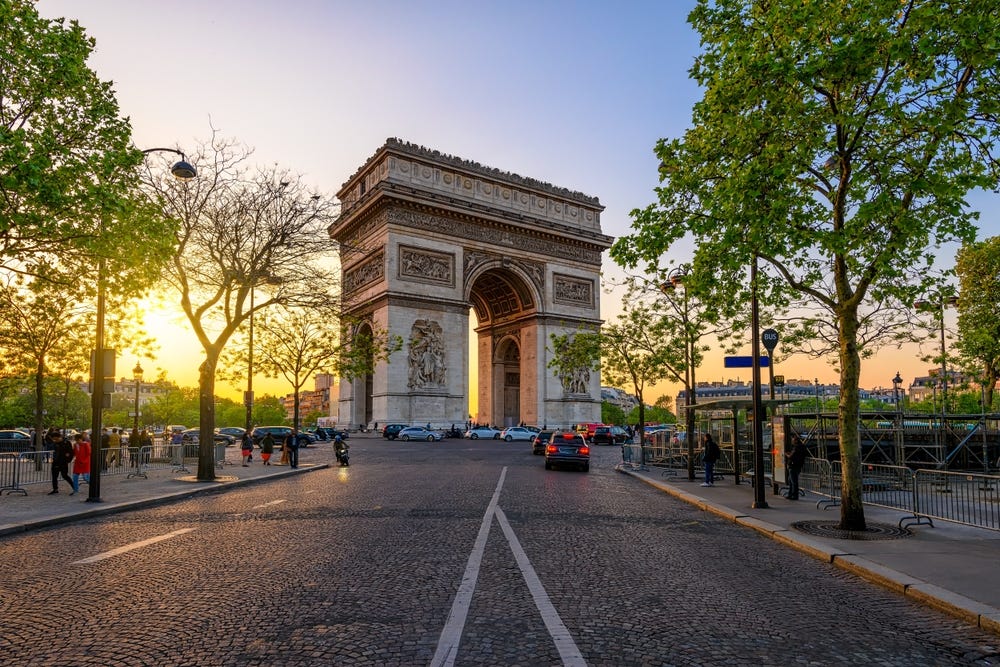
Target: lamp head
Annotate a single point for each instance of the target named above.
(184, 170)
(897, 380)
(137, 371)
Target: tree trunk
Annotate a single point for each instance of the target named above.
(206, 423)
(852, 510)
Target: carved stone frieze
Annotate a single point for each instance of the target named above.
(534, 270)
(426, 266)
(572, 291)
(370, 271)
(427, 356)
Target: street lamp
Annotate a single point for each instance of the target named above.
(759, 499)
(101, 368)
(941, 304)
(137, 377)
(675, 280)
(896, 386)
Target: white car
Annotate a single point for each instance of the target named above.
(517, 433)
(418, 433)
(482, 433)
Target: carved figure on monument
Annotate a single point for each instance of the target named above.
(427, 365)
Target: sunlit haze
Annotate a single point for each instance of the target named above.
(572, 93)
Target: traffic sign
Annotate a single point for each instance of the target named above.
(770, 339)
(779, 380)
(745, 362)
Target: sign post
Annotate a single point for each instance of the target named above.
(770, 340)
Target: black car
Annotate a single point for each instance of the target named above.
(278, 434)
(610, 435)
(390, 431)
(192, 435)
(539, 441)
(567, 448)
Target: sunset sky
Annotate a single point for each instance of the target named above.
(572, 93)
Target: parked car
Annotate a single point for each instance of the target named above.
(15, 440)
(539, 442)
(418, 433)
(567, 448)
(482, 433)
(235, 432)
(278, 433)
(390, 431)
(192, 436)
(610, 435)
(517, 433)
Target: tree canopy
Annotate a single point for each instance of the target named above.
(836, 142)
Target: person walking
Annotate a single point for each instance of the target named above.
(291, 446)
(246, 448)
(114, 449)
(266, 449)
(795, 459)
(81, 461)
(62, 454)
(710, 454)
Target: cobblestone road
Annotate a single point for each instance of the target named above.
(361, 566)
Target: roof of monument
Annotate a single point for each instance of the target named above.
(415, 150)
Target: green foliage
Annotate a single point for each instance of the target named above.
(653, 415)
(611, 413)
(836, 143)
(978, 269)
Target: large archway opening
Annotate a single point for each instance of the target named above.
(504, 333)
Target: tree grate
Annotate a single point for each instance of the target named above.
(874, 531)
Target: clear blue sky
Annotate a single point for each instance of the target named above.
(572, 93)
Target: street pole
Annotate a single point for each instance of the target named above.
(248, 397)
(758, 431)
(137, 376)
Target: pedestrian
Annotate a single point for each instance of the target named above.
(246, 448)
(62, 454)
(710, 454)
(795, 459)
(114, 448)
(81, 461)
(266, 449)
(291, 446)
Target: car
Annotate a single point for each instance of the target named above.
(482, 433)
(278, 434)
(235, 432)
(418, 433)
(390, 431)
(567, 448)
(191, 436)
(14, 440)
(14, 434)
(610, 435)
(539, 441)
(517, 433)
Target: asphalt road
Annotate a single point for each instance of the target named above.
(459, 552)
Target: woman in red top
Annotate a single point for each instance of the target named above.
(81, 460)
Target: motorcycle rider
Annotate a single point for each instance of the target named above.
(340, 449)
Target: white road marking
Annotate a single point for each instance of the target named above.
(451, 635)
(568, 651)
(269, 503)
(131, 547)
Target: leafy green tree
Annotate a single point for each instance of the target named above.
(978, 269)
(240, 231)
(268, 411)
(611, 413)
(835, 143)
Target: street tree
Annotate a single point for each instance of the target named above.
(67, 167)
(242, 230)
(978, 269)
(835, 144)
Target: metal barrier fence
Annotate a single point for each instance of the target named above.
(18, 470)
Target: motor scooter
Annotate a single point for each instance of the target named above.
(342, 456)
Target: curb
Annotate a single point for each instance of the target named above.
(958, 606)
(115, 508)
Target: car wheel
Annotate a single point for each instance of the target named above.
(473, 437)
(430, 438)
(405, 438)
(548, 465)
(585, 467)
(496, 437)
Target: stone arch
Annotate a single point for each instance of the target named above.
(426, 239)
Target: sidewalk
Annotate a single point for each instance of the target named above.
(20, 512)
(949, 566)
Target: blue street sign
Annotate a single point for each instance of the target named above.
(746, 362)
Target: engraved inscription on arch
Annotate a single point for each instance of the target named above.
(572, 291)
(426, 266)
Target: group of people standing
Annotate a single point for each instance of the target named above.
(795, 459)
(64, 453)
(289, 449)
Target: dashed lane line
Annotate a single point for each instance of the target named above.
(132, 547)
(269, 503)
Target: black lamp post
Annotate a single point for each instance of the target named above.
(675, 280)
(103, 360)
(896, 386)
(137, 377)
(248, 396)
(759, 499)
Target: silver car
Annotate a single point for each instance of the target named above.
(418, 433)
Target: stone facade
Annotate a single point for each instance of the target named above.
(426, 236)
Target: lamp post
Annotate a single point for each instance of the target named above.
(675, 280)
(248, 396)
(137, 377)
(103, 360)
(896, 385)
(759, 499)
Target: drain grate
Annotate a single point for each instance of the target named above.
(874, 531)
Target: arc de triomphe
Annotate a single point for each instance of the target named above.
(424, 237)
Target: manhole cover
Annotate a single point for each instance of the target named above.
(875, 531)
